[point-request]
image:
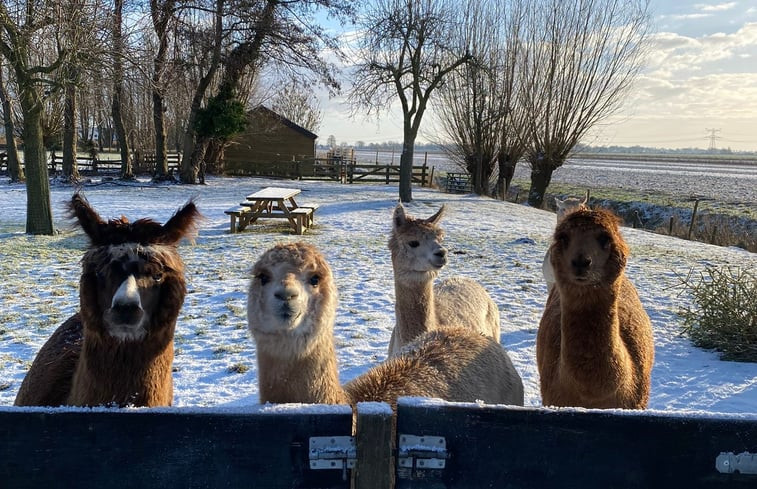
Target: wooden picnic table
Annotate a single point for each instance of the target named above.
(272, 203)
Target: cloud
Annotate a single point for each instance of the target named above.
(720, 7)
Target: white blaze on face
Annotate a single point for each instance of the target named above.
(126, 318)
(127, 294)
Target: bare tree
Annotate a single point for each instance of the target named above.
(409, 47)
(581, 59)
(15, 170)
(127, 168)
(298, 105)
(189, 171)
(162, 13)
(81, 36)
(468, 105)
(25, 26)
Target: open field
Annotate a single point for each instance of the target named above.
(500, 244)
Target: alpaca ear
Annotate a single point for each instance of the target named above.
(183, 223)
(88, 219)
(586, 198)
(399, 218)
(558, 202)
(434, 220)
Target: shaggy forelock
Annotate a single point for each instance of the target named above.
(166, 255)
(588, 219)
(303, 256)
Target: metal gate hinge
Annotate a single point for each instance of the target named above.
(332, 452)
(422, 452)
(743, 463)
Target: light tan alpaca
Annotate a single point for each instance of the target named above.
(563, 206)
(291, 307)
(417, 257)
(594, 347)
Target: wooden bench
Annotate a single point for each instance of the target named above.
(311, 216)
(237, 213)
(304, 218)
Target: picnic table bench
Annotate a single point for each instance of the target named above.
(272, 203)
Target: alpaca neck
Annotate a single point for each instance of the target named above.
(591, 347)
(111, 371)
(414, 309)
(308, 375)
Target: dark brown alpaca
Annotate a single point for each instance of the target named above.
(594, 347)
(118, 350)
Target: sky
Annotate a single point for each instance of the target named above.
(699, 88)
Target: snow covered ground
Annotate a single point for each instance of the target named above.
(498, 243)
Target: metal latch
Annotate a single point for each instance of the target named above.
(332, 452)
(422, 452)
(743, 463)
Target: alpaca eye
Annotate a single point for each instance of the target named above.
(314, 280)
(603, 240)
(157, 278)
(414, 244)
(263, 277)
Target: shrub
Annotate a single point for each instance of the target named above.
(723, 313)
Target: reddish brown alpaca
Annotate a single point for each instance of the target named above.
(119, 349)
(594, 347)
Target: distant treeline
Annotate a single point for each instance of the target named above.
(432, 147)
(647, 150)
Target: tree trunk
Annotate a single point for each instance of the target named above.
(541, 175)
(213, 161)
(506, 173)
(161, 14)
(39, 217)
(15, 170)
(70, 169)
(161, 163)
(127, 169)
(406, 168)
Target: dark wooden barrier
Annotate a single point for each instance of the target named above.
(524, 448)
(162, 449)
(436, 445)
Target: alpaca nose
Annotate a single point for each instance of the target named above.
(286, 294)
(129, 313)
(441, 253)
(581, 263)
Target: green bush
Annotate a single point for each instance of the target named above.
(723, 313)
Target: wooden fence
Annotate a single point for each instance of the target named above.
(344, 171)
(438, 445)
(90, 165)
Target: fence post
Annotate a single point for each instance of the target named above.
(387, 173)
(693, 218)
(374, 468)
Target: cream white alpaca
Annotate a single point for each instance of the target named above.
(290, 311)
(594, 347)
(564, 206)
(417, 258)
